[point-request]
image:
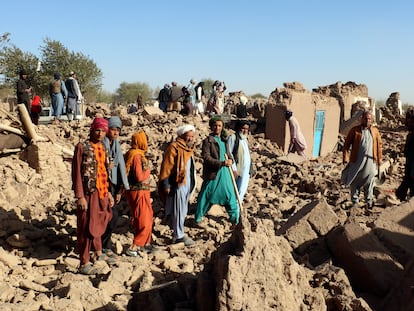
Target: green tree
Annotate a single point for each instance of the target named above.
(208, 86)
(12, 60)
(128, 92)
(258, 95)
(105, 97)
(57, 58)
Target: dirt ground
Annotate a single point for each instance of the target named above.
(274, 260)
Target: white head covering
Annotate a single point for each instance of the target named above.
(184, 129)
(243, 100)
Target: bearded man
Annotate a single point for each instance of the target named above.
(365, 143)
(177, 180)
(239, 147)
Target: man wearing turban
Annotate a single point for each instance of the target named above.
(177, 180)
(58, 93)
(239, 147)
(90, 184)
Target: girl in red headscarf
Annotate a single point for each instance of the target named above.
(138, 172)
(36, 109)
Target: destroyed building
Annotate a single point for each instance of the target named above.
(320, 113)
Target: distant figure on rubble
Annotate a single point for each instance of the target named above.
(58, 94)
(297, 140)
(365, 143)
(164, 97)
(407, 184)
(199, 90)
(216, 103)
(187, 107)
(74, 97)
(35, 109)
(191, 91)
(140, 102)
(241, 109)
(93, 200)
(176, 96)
(23, 90)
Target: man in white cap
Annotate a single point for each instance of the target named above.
(74, 97)
(177, 181)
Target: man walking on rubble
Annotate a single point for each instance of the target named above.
(297, 140)
(365, 143)
(177, 180)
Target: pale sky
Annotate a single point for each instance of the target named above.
(254, 46)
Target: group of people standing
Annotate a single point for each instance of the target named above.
(65, 97)
(191, 99)
(65, 91)
(101, 174)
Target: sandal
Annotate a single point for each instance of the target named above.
(133, 253)
(87, 269)
(109, 252)
(109, 259)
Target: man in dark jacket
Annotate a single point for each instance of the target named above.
(23, 91)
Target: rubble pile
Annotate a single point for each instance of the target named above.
(283, 256)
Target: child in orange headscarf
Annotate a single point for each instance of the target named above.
(138, 172)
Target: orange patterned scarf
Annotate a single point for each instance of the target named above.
(139, 145)
(101, 174)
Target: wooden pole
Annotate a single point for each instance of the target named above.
(27, 122)
(234, 185)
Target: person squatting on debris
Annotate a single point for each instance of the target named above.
(365, 143)
(297, 140)
(138, 172)
(94, 201)
(58, 93)
(74, 96)
(118, 180)
(217, 187)
(407, 184)
(239, 147)
(177, 181)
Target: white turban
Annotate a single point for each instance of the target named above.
(184, 129)
(243, 100)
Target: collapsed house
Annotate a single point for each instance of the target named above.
(320, 113)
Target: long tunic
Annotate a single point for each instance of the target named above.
(243, 165)
(298, 142)
(140, 203)
(58, 100)
(177, 202)
(218, 191)
(91, 223)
